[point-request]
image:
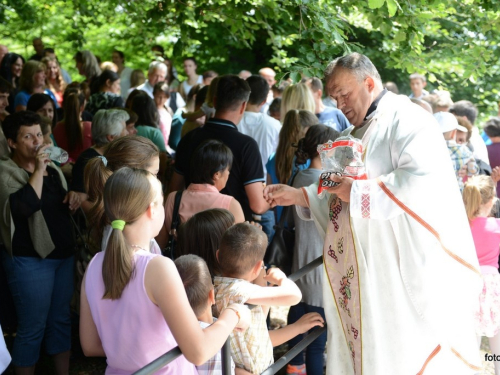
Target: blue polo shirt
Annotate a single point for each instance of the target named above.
(247, 163)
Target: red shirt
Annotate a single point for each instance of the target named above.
(61, 138)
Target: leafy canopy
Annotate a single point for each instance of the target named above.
(452, 42)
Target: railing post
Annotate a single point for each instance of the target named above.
(226, 357)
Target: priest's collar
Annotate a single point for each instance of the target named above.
(374, 105)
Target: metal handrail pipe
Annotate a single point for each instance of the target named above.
(306, 269)
(296, 350)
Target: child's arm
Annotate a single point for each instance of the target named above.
(286, 293)
(165, 289)
(304, 324)
(240, 371)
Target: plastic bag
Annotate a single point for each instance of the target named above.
(342, 157)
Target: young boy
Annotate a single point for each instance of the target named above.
(200, 292)
(241, 262)
(417, 85)
(460, 155)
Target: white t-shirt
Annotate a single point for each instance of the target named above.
(125, 82)
(264, 129)
(186, 87)
(480, 150)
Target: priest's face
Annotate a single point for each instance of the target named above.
(353, 96)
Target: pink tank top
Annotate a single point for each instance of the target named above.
(132, 329)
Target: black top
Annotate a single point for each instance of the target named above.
(247, 162)
(25, 202)
(374, 105)
(77, 182)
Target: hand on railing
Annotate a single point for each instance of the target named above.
(308, 321)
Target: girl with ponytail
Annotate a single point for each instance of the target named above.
(479, 195)
(134, 307)
(309, 246)
(129, 151)
(281, 165)
(72, 134)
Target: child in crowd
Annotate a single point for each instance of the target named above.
(460, 155)
(241, 263)
(309, 246)
(417, 85)
(161, 93)
(479, 196)
(200, 292)
(133, 305)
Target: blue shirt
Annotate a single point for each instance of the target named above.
(22, 98)
(333, 118)
(271, 171)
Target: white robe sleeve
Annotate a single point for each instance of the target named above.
(317, 210)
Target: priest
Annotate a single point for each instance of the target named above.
(402, 279)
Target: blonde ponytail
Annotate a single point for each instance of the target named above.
(477, 191)
(127, 195)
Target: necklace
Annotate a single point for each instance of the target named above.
(138, 247)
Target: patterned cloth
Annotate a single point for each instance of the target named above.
(251, 350)
(214, 365)
(460, 155)
(104, 100)
(488, 316)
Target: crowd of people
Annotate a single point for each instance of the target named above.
(199, 171)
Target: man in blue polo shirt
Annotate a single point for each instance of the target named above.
(246, 180)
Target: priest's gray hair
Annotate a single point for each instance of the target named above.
(357, 64)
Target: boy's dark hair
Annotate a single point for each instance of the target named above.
(308, 146)
(210, 157)
(418, 76)
(242, 246)
(259, 89)
(465, 108)
(201, 96)
(162, 87)
(13, 123)
(196, 279)
(492, 127)
(232, 92)
(5, 87)
(275, 106)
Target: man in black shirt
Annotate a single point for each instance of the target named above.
(246, 180)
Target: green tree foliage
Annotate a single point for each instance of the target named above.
(454, 43)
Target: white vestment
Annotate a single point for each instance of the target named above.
(402, 278)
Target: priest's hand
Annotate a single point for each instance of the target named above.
(284, 195)
(343, 190)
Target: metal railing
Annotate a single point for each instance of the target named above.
(168, 357)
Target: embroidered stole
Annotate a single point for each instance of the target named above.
(341, 266)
